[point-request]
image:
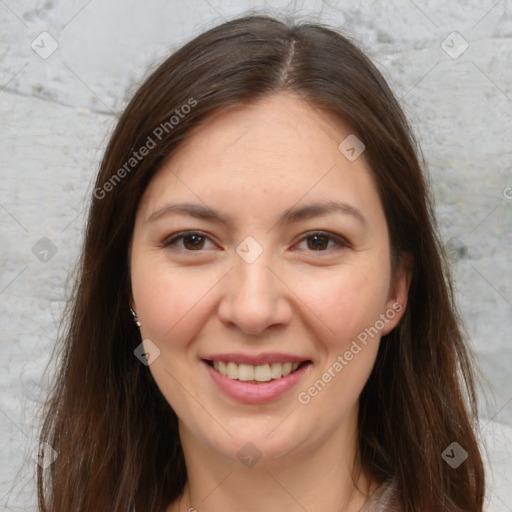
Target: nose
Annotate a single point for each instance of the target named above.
(255, 298)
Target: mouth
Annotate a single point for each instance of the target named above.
(268, 380)
(256, 373)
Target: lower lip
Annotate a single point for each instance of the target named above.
(256, 393)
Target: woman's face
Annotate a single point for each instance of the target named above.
(261, 275)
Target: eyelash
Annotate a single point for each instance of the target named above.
(171, 241)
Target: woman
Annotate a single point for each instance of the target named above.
(294, 345)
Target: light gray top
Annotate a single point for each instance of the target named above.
(384, 499)
(380, 501)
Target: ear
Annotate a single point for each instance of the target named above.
(398, 292)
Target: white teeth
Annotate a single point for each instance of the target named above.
(260, 373)
(232, 370)
(275, 370)
(245, 372)
(287, 369)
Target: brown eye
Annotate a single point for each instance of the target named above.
(318, 242)
(191, 241)
(322, 242)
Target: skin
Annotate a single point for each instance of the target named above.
(252, 163)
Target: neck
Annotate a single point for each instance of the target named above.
(325, 476)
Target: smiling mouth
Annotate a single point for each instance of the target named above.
(259, 373)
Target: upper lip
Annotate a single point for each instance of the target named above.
(256, 359)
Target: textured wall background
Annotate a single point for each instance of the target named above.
(66, 70)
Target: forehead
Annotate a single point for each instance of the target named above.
(272, 130)
(278, 149)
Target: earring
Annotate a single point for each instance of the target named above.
(135, 318)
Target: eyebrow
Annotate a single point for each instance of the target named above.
(291, 215)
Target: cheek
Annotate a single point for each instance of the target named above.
(173, 306)
(348, 304)
(169, 300)
(346, 301)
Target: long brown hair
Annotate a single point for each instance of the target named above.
(115, 434)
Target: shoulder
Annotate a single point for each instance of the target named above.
(385, 499)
